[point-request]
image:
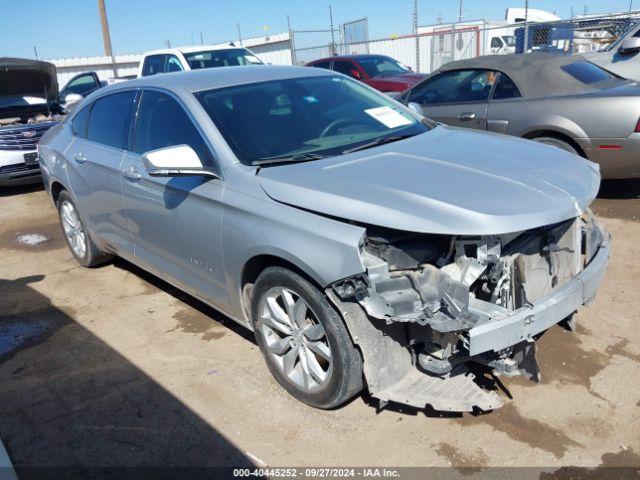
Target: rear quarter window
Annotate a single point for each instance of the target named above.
(587, 73)
(80, 121)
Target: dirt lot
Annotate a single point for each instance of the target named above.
(111, 366)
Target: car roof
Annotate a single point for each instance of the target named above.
(219, 77)
(535, 74)
(193, 48)
(350, 57)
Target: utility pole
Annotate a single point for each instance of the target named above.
(460, 13)
(292, 42)
(333, 39)
(415, 33)
(106, 38)
(630, 5)
(35, 50)
(526, 27)
(239, 34)
(571, 12)
(201, 38)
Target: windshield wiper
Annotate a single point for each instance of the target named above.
(377, 142)
(303, 157)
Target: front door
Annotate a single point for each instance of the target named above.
(94, 161)
(176, 222)
(459, 98)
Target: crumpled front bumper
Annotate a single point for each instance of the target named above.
(501, 328)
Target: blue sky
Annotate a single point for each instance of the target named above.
(65, 28)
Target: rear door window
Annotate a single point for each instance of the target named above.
(110, 119)
(344, 67)
(505, 89)
(162, 122)
(153, 64)
(324, 64)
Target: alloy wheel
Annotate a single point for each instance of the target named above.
(295, 339)
(73, 230)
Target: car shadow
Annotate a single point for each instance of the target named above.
(184, 297)
(620, 189)
(73, 407)
(21, 189)
(618, 199)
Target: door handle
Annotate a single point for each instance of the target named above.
(80, 157)
(132, 173)
(466, 116)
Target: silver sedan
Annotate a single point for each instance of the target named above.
(363, 244)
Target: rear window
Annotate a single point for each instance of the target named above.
(587, 73)
(79, 122)
(324, 64)
(110, 120)
(152, 65)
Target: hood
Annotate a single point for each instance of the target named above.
(28, 78)
(407, 78)
(445, 181)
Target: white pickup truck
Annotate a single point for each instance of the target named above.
(195, 57)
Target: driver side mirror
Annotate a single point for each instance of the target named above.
(630, 45)
(175, 161)
(356, 74)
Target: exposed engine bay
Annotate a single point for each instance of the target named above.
(450, 300)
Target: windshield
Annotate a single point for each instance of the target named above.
(312, 116)
(221, 58)
(380, 66)
(11, 101)
(510, 40)
(622, 37)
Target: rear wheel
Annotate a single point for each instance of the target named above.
(77, 236)
(303, 340)
(557, 143)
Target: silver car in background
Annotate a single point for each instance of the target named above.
(621, 57)
(363, 244)
(564, 101)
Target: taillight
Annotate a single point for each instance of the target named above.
(637, 130)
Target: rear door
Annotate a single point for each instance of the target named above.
(94, 161)
(459, 97)
(176, 221)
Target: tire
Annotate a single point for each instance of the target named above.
(315, 323)
(557, 143)
(74, 230)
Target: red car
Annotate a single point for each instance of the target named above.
(379, 71)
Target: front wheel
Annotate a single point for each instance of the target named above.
(303, 340)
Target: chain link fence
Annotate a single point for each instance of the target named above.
(436, 45)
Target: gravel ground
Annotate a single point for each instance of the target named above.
(112, 367)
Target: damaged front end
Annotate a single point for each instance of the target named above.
(435, 303)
